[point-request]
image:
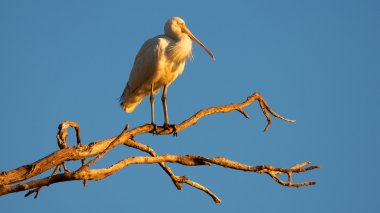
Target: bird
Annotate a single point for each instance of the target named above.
(158, 63)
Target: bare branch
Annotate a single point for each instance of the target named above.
(188, 160)
(11, 181)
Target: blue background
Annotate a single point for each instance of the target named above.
(314, 61)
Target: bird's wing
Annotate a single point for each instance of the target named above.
(144, 71)
(145, 65)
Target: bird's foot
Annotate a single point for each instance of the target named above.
(171, 127)
(154, 131)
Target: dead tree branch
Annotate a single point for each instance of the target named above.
(19, 179)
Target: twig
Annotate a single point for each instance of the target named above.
(62, 144)
(142, 147)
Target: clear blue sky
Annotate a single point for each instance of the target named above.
(314, 61)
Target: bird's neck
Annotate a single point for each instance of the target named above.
(181, 49)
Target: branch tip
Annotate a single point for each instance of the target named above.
(36, 191)
(243, 112)
(126, 127)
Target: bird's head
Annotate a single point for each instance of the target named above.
(175, 27)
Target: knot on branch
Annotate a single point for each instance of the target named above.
(191, 160)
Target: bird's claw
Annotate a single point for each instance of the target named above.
(171, 126)
(154, 131)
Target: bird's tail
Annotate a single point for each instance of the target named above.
(128, 103)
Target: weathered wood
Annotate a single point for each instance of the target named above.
(10, 181)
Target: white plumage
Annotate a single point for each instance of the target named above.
(158, 63)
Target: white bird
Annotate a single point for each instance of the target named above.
(157, 64)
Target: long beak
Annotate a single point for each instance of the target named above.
(187, 31)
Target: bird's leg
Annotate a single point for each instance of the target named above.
(163, 99)
(166, 124)
(154, 131)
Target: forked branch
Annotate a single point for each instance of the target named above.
(18, 179)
